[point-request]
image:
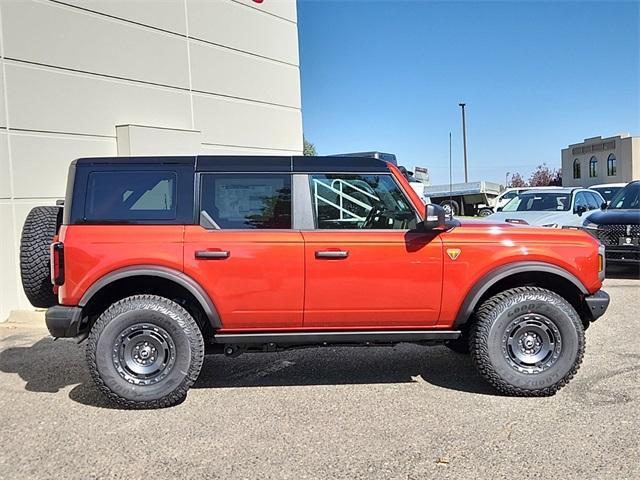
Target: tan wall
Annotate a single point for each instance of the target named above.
(627, 153)
(71, 71)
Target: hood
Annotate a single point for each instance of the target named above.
(615, 216)
(532, 218)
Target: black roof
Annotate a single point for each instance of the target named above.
(246, 163)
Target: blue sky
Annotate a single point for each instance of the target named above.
(536, 76)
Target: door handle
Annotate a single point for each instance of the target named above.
(334, 254)
(212, 254)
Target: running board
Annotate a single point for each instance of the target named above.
(305, 338)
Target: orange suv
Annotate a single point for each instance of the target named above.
(158, 261)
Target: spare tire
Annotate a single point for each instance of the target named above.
(40, 227)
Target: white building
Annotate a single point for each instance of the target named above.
(102, 77)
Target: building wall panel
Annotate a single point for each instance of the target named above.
(164, 14)
(241, 123)
(5, 180)
(225, 22)
(56, 101)
(227, 72)
(93, 43)
(50, 155)
(282, 8)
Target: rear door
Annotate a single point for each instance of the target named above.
(367, 265)
(245, 253)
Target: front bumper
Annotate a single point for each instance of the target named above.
(623, 255)
(597, 304)
(64, 321)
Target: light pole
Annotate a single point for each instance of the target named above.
(464, 142)
(506, 179)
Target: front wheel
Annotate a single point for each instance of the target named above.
(485, 212)
(527, 342)
(145, 351)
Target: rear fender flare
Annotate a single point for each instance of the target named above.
(167, 273)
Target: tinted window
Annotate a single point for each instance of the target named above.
(247, 201)
(608, 192)
(628, 197)
(594, 201)
(131, 195)
(360, 201)
(535, 202)
(581, 201)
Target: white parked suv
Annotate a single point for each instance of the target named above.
(549, 207)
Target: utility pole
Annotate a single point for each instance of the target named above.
(464, 142)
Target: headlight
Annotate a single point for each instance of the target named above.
(551, 225)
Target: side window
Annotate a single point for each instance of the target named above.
(581, 201)
(360, 202)
(247, 201)
(130, 196)
(594, 201)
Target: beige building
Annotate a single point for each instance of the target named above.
(102, 77)
(601, 160)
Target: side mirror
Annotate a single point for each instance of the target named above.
(434, 218)
(604, 206)
(580, 209)
(499, 209)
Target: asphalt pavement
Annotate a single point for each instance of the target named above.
(404, 412)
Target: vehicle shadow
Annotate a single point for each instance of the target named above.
(49, 366)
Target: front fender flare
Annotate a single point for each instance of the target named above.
(494, 276)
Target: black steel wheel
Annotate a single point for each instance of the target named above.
(144, 354)
(527, 341)
(145, 351)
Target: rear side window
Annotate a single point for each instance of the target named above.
(241, 201)
(131, 196)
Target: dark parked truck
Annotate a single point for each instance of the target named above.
(617, 226)
(159, 261)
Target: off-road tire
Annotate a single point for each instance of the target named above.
(489, 333)
(40, 227)
(155, 311)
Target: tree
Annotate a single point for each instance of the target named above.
(544, 176)
(309, 149)
(516, 181)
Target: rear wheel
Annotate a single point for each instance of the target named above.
(40, 226)
(450, 207)
(527, 341)
(145, 352)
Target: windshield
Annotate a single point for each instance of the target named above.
(539, 202)
(607, 192)
(628, 197)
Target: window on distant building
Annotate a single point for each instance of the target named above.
(593, 167)
(611, 165)
(576, 168)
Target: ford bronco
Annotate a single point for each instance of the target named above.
(159, 261)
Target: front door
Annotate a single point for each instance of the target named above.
(367, 264)
(245, 254)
